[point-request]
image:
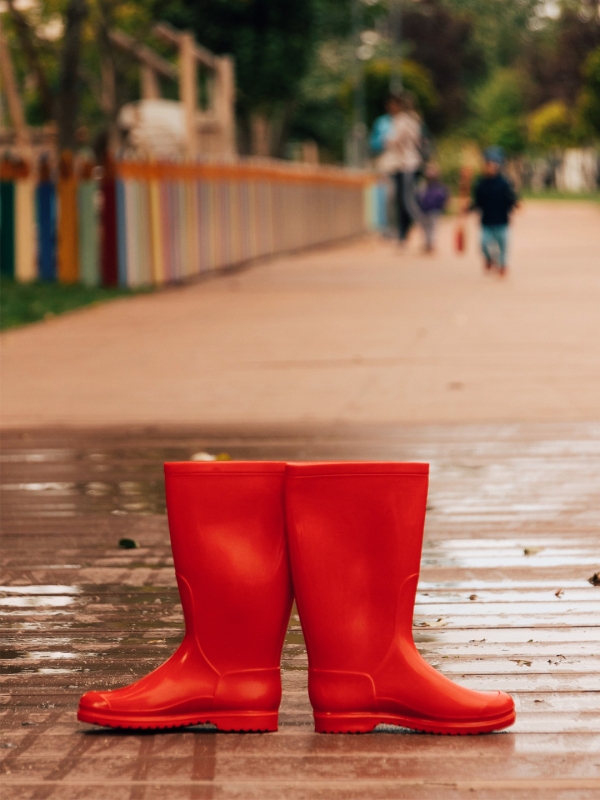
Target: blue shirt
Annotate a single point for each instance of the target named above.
(379, 133)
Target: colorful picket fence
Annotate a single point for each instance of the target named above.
(148, 223)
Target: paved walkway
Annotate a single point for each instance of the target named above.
(349, 334)
(349, 353)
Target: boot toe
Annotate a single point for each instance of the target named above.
(94, 701)
(500, 705)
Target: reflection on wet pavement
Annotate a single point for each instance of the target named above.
(504, 602)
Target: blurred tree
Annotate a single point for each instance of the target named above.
(272, 42)
(555, 60)
(415, 79)
(443, 43)
(31, 47)
(69, 87)
(501, 28)
(62, 101)
(588, 105)
(551, 126)
(61, 50)
(499, 108)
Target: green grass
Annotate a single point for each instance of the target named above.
(555, 194)
(22, 303)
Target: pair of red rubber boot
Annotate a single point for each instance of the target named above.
(344, 539)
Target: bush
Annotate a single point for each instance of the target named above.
(551, 126)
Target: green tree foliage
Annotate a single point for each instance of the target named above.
(499, 108)
(588, 106)
(555, 59)
(443, 43)
(551, 126)
(415, 79)
(502, 29)
(57, 47)
(272, 42)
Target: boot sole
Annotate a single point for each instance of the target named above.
(365, 723)
(242, 721)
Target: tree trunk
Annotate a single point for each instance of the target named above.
(70, 77)
(109, 102)
(30, 45)
(281, 129)
(261, 133)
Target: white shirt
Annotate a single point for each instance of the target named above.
(402, 152)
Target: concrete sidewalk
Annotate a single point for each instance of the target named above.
(351, 334)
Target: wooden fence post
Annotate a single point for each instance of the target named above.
(46, 223)
(68, 255)
(188, 90)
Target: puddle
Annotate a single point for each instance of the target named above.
(41, 589)
(37, 601)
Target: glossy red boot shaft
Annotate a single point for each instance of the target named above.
(355, 534)
(226, 521)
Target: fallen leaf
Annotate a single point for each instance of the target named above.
(472, 597)
(531, 551)
(439, 623)
(520, 662)
(595, 579)
(559, 593)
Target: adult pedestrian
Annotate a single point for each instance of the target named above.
(402, 159)
(384, 190)
(495, 198)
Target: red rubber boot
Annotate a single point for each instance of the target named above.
(227, 533)
(355, 533)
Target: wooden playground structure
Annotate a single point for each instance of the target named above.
(207, 131)
(139, 218)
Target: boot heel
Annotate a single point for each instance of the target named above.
(260, 722)
(345, 723)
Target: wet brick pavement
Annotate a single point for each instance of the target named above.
(504, 602)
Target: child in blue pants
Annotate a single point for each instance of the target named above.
(495, 198)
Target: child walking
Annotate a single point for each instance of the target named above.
(495, 198)
(432, 200)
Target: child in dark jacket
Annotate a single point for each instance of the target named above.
(432, 200)
(495, 198)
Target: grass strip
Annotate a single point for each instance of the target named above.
(23, 303)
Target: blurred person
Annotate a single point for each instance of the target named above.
(382, 126)
(377, 144)
(495, 198)
(432, 200)
(402, 159)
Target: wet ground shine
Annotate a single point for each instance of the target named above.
(513, 535)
